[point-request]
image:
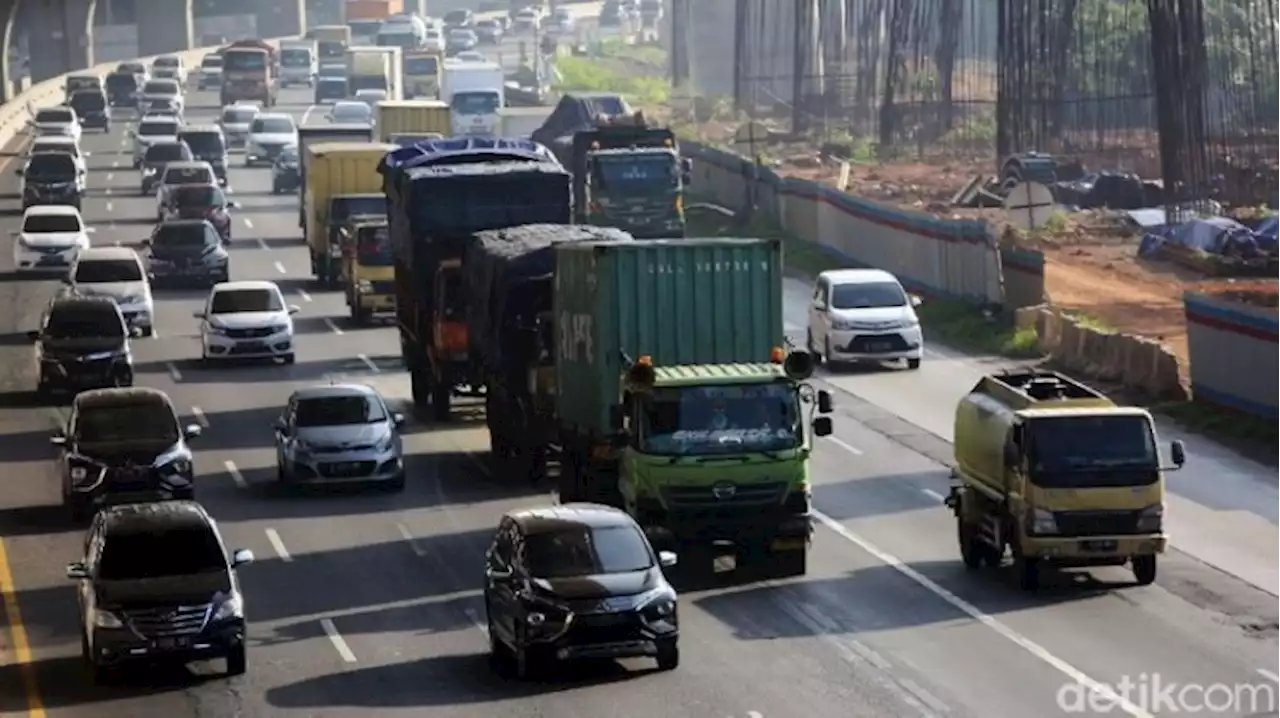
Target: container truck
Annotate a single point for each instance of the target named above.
(422, 74)
(368, 68)
(410, 117)
(315, 134)
(250, 71)
(438, 195)
(670, 391)
(1059, 475)
(334, 170)
(475, 92)
(332, 41)
(298, 63)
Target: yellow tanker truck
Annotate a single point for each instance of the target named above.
(1058, 474)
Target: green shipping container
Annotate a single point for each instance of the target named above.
(680, 301)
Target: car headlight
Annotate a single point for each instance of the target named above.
(132, 299)
(230, 607)
(1151, 519)
(177, 466)
(106, 619)
(149, 172)
(214, 329)
(841, 325)
(279, 328)
(86, 475)
(1041, 521)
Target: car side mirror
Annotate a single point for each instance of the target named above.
(19, 171)
(198, 315)
(34, 335)
(192, 431)
(667, 559)
(146, 242)
(57, 438)
(398, 420)
(824, 401)
(1178, 452)
(281, 425)
(498, 575)
(822, 426)
(294, 309)
(916, 300)
(77, 571)
(241, 557)
(233, 205)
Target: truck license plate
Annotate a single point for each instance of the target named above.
(1098, 545)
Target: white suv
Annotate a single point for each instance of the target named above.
(51, 237)
(117, 273)
(864, 315)
(246, 320)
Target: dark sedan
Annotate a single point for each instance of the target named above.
(203, 202)
(91, 107)
(286, 174)
(186, 250)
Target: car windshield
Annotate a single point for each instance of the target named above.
(160, 87)
(77, 323)
(727, 419)
(81, 83)
(211, 62)
(230, 301)
(475, 103)
(1092, 451)
(122, 81)
(44, 223)
(291, 57)
(186, 235)
(167, 152)
(88, 101)
(333, 73)
(135, 68)
(149, 420)
(108, 270)
(586, 551)
(238, 115)
(272, 125)
(339, 411)
(364, 28)
(461, 36)
(343, 208)
(420, 66)
(187, 175)
(50, 167)
(166, 61)
(351, 112)
(867, 295)
(158, 129)
(55, 144)
(657, 170)
(199, 196)
(157, 553)
(204, 143)
(457, 17)
(55, 115)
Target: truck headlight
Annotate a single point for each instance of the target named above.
(1041, 521)
(1151, 519)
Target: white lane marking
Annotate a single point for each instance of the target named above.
(173, 371)
(923, 695)
(933, 495)
(306, 296)
(475, 621)
(115, 163)
(845, 445)
(368, 362)
(280, 268)
(109, 210)
(1269, 675)
(307, 114)
(418, 550)
(237, 478)
(262, 244)
(118, 243)
(155, 333)
(111, 176)
(333, 327)
(278, 545)
(248, 223)
(339, 643)
(200, 418)
(975, 613)
(107, 191)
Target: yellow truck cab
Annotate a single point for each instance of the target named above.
(1059, 474)
(422, 74)
(339, 169)
(368, 267)
(396, 118)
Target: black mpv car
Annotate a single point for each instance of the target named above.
(83, 343)
(121, 446)
(91, 108)
(577, 581)
(158, 585)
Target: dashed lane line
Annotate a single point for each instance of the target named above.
(339, 643)
(328, 322)
(278, 545)
(199, 416)
(174, 372)
(236, 477)
(280, 268)
(373, 367)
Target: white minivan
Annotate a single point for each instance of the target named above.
(864, 315)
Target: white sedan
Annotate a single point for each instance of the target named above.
(51, 237)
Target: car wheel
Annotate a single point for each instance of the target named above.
(668, 655)
(396, 485)
(913, 363)
(290, 358)
(148, 331)
(237, 661)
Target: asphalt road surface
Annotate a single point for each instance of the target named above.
(367, 604)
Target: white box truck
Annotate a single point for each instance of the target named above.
(475, 92)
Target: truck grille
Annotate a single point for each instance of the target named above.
(168, 621)
(724, 495)
(1096, 523)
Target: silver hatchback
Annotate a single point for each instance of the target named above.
(339, 434)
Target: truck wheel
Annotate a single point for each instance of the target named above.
(1027, 569)
(441, 395)
(789, 563)
(567, 482)
(1144, 569)
(360, 315)
(419, 389)
(972, 551)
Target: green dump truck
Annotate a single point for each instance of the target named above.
(630, 177)
(672, 393)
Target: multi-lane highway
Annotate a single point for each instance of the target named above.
(367, 604)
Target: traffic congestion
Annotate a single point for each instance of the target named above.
(250, 483)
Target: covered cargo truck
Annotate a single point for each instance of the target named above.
(676, 398)
(335, 170)
(1057, 473)
(250, 72)
(411, 117)
(309, 135)
(439, 195)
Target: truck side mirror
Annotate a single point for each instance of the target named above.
(822, 426)
(1178, 452)
(824, 401)
(1011, 456)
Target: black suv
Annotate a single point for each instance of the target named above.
(122, 445)
(91, 107)
(577, 581)
(123, 89)
(158, 585)
(83, 343)
(51, 178)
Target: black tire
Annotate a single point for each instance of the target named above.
(1027, 571)
(1145, 569)
(794, 562)
(290, 358)
(441, 396)
(237, 660)
(913, 363)
(148, 331)
(668, 655)
(971, 549)
(395, 485)
(78, 512)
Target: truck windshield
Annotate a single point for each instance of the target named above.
(244, 61)
(373, 247)
(364, 28)
(658, 170)
(702, 420)
(295, 57)
(416, 66)
(1084, 451)
(475, 103)
(406, 40)
(343, 208)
